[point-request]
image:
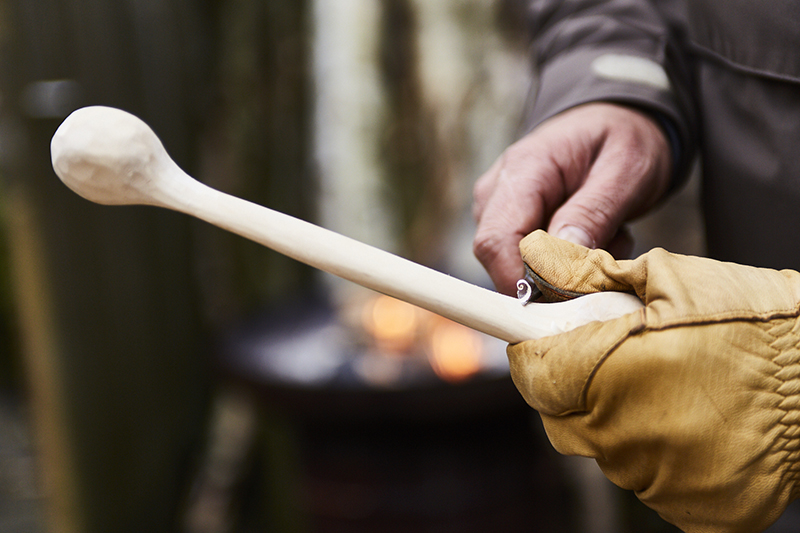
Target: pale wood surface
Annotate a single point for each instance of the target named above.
(111, 157)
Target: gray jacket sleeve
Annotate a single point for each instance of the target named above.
(623, 51)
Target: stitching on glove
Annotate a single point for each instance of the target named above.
(626, 334)
(787, 347)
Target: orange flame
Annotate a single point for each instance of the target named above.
(455, 352)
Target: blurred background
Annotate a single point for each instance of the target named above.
(158, 374)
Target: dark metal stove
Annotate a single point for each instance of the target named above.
(398, 450)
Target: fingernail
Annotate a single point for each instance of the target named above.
(576, 235)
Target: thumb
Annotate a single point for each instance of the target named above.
(592, 216)
(565, 270)
(626, 178)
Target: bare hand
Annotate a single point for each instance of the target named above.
(581, 175)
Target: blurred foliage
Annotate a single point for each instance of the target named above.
(10, 373)
(9, 339)
(415, 159)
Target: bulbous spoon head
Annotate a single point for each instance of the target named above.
(109, 156)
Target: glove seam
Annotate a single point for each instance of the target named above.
(729, 316)
(583, 402)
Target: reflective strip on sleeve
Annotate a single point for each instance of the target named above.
(618, 67)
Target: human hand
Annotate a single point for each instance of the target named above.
(580, 174)
(694, 402)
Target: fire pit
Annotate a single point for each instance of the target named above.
(400, 420)
(381, 357)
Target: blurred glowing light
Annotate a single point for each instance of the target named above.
(392, 323)
(455, 351)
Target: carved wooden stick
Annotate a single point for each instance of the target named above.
(111, 157)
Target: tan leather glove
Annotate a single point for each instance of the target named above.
(694, 402)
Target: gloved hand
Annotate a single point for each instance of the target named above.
(694, 402)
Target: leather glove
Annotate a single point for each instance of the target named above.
(692, 402)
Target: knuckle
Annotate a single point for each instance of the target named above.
(482, 190)
(485, 247)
